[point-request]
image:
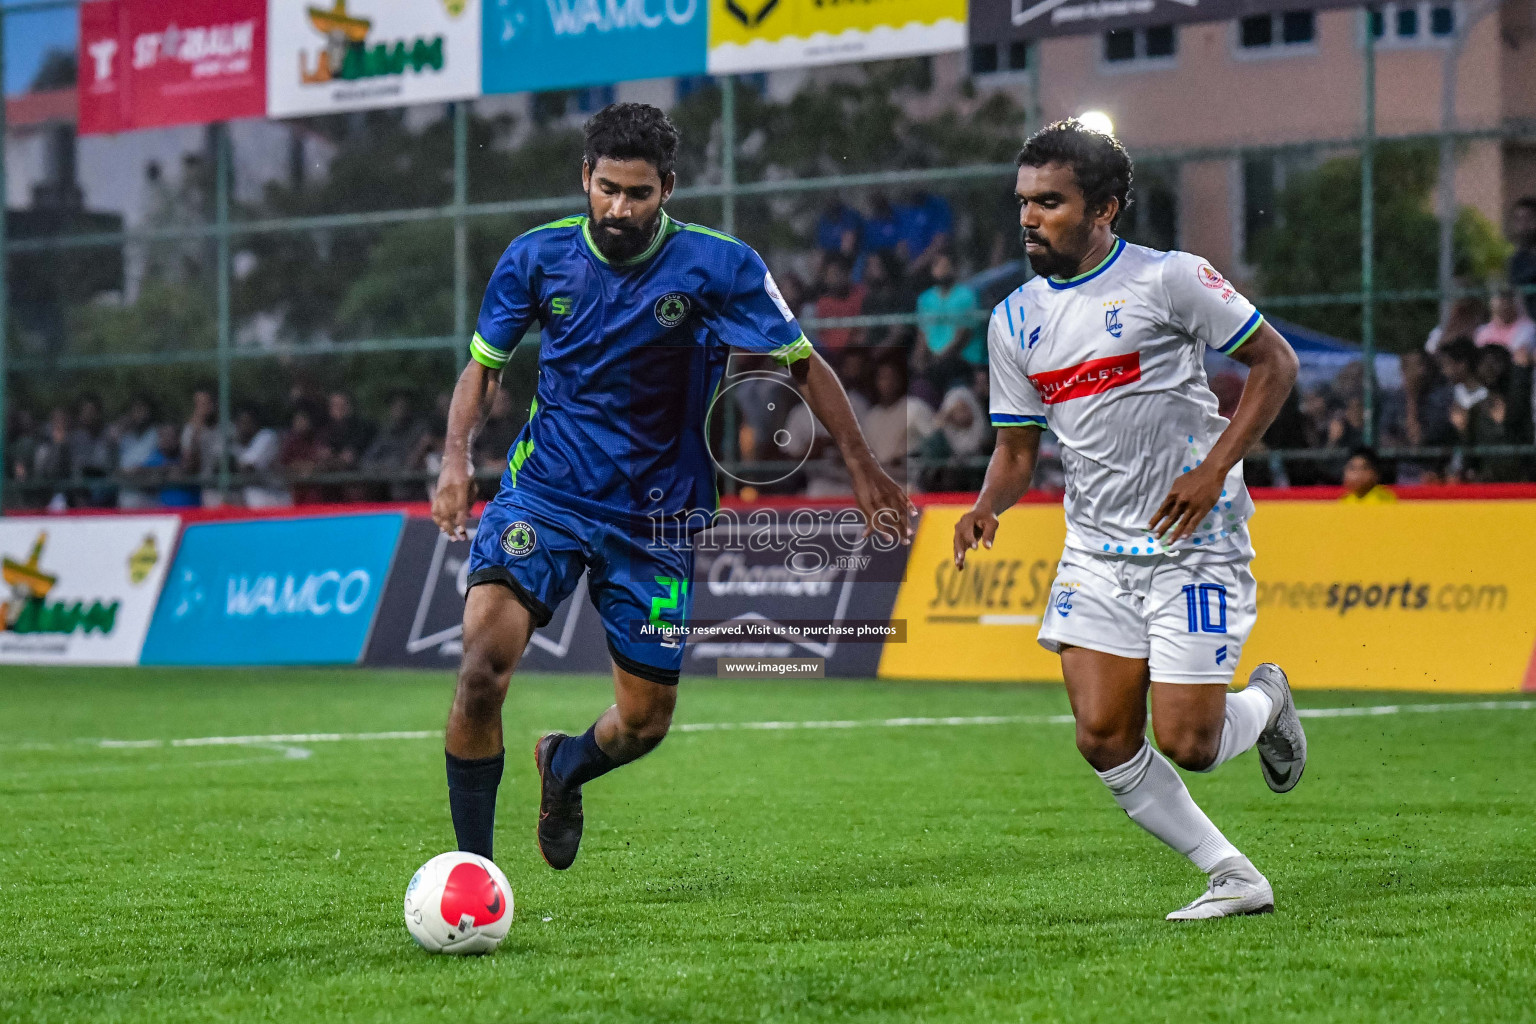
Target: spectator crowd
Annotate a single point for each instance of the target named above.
(320, 450)
(1470, 385)
(887, 301)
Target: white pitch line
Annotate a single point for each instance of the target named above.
(1417, 709)
(846, 723)
(287, 737)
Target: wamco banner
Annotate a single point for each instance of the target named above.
(421, 620)
(325, 56)
(80, 591)
(151, 63)
(1006, 21)
(274, 591)
(765, 35)
(532, 45)
(1349, 596)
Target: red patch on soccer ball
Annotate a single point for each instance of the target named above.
(1209, 277)
(471, 890)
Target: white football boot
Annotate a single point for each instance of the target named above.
(1236, 888)
(1282, 746)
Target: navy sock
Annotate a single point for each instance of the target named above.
(579, 760)
(472, 786)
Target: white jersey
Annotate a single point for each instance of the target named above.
(1112, 361)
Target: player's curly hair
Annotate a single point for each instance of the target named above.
(1100, 164)
(632, 131)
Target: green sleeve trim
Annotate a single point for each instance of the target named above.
(1013, 420)
(487, 355)
(793, 352)
(1245, 332)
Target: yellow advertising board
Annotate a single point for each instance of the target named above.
(766, 35)
(1417, 595)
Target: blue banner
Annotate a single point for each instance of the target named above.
(273, 591)
(536, 45)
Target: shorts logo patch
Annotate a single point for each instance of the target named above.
(1221, 655)
(518, 539)
(672, 309)
(1063, 601)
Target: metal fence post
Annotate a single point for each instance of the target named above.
(221, 172)
(460, 232)
(5, 298)
(1034, 118)
(1445, 190)
(728, 154)
(1368, 235)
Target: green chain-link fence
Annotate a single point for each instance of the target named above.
(470, 219)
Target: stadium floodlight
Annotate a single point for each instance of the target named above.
(1097, 120)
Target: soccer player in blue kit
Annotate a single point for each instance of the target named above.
(638, 314)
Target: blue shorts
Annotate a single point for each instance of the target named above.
(540, 555)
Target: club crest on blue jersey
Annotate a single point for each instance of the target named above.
(672, 309)
(1112, 322)
(519, 538)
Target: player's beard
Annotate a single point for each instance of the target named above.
(1052, 262)
(627, 242)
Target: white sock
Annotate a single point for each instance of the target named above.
(1149, 790)
(1247, 714)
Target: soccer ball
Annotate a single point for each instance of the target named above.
(458, 903)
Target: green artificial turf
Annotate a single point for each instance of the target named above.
(947, 872)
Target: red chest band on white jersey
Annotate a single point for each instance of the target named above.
(1093, 377)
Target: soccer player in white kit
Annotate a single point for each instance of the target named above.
(1105, 347)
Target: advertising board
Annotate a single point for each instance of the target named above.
(1416, 595)
(357, 54)
(533, 45)
(80, 591)
(152, 63)
(273, 591)
(421, 619)
(768, 35)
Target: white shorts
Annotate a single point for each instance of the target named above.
(1186, 618)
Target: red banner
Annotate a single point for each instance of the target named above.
(152, 63)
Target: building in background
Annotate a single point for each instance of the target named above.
(1288, 77)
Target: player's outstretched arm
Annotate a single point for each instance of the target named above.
(455, 492)
(1272, 369)
(1008, 474)
(885, 505)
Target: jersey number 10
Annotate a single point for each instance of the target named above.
(1197, 601)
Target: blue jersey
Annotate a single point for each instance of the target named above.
(631, 356)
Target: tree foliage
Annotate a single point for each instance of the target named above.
(1315, 245)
